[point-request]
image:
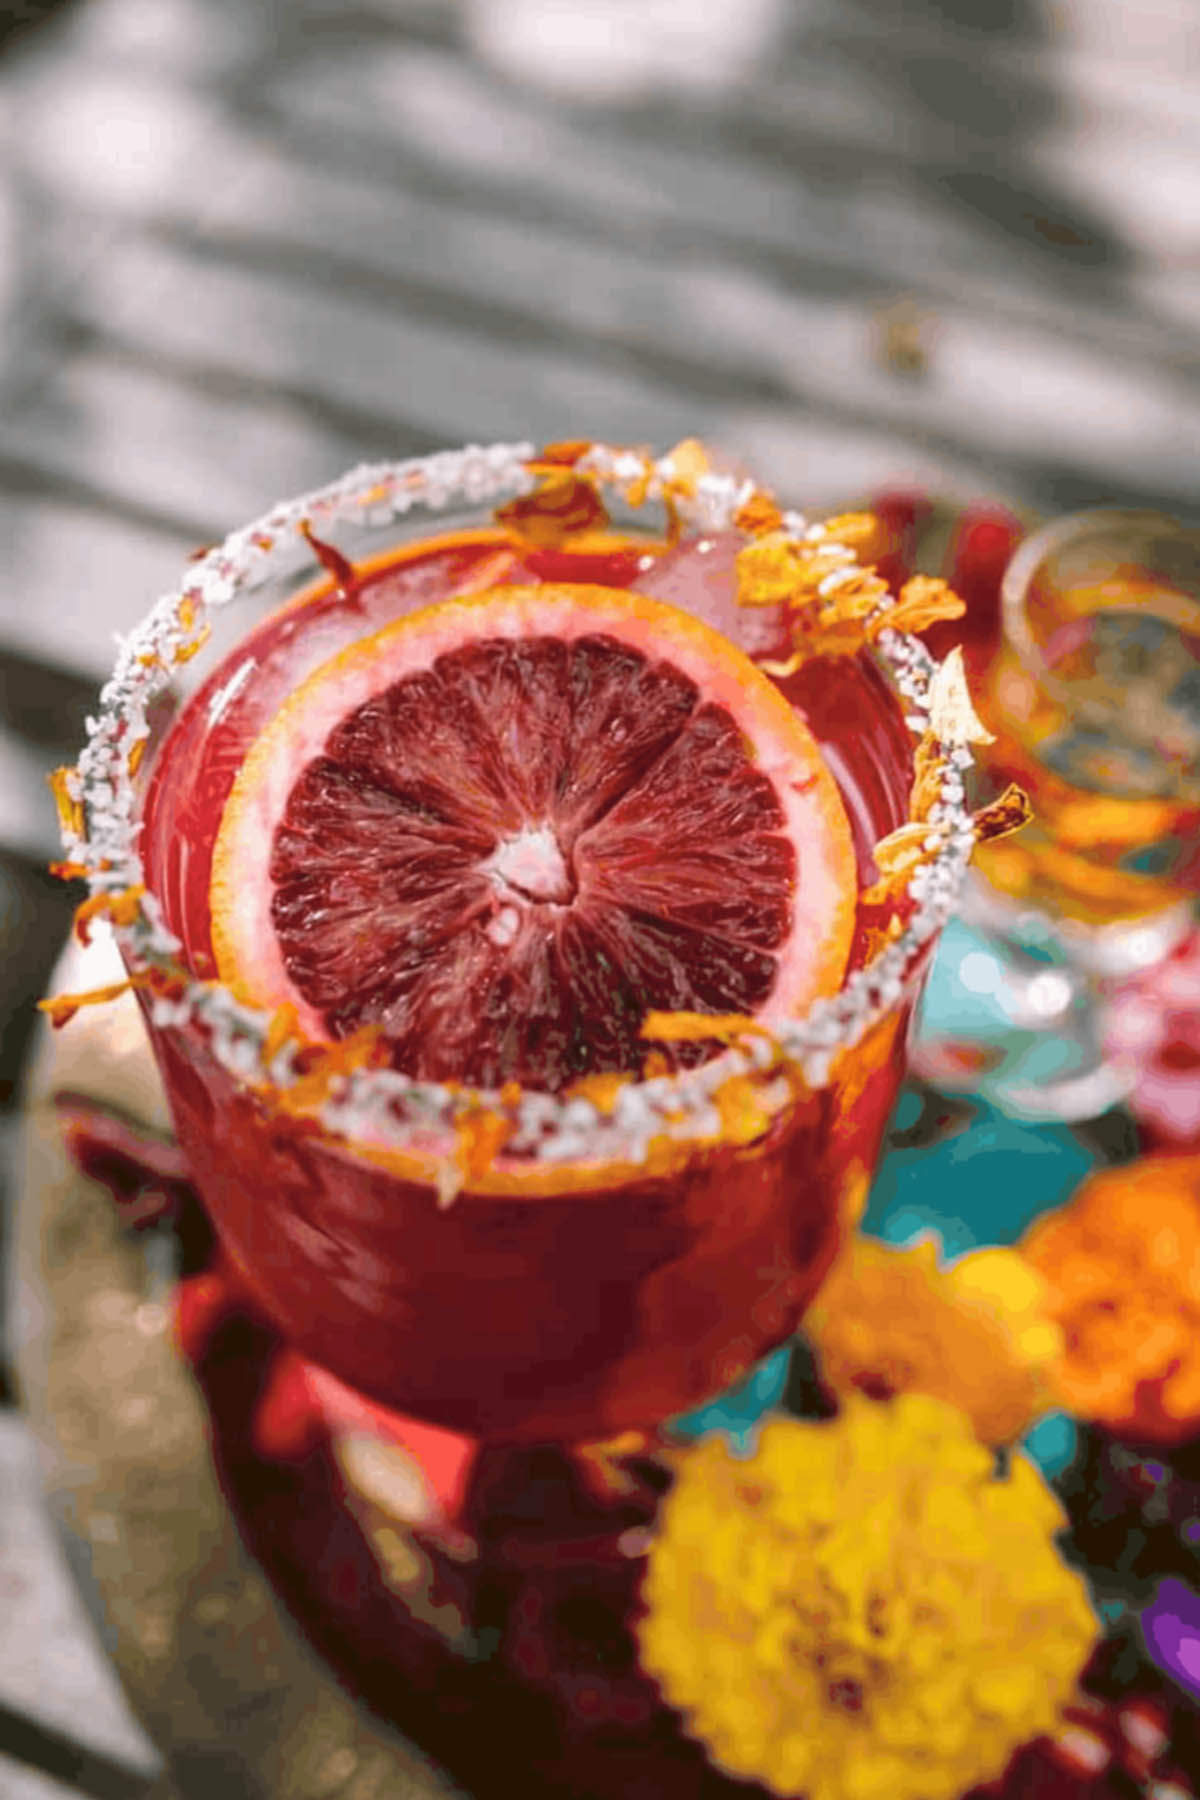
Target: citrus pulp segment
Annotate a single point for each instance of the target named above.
(507, 827)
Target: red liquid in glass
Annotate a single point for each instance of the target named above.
(560, 1315)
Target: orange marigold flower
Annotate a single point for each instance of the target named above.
(892, 1322)
(1122, 1265)
(863, 1610)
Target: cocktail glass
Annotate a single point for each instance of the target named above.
(1094, 696)
(617, 1261)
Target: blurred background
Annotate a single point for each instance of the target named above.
(246, 243)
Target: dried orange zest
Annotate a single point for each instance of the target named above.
(568, 452)
(924, 601)
(694, 1027)
(879, 936)
(952, 717)
(600, 1090)
(133, 761)
(758, 515)
(284, 1026)
(562, 505)
(330, 1064)
(185, 652)
(780, 670)
(70, 810)
(744, 1114)
(69, 871)
(185, 612)
(1005, 815)
(121, 908)
(665, 1155)
(61, 1008)
(481, 1137)
(339, 567)
(603, 1465)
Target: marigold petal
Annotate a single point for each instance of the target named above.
(563, 504)
(952, 716)
(758, 515)
(923, 601)
(1003, 816)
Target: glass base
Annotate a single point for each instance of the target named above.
(1017, 1003)
(1106, 952)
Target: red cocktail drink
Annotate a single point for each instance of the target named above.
(555, 1238)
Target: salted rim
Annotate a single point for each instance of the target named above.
(382, 1108)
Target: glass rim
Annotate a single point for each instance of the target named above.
(379, 1109)
(1057, 535)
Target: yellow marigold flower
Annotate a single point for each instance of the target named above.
(863, 1610)
(891, 1321)
(1122, 1265)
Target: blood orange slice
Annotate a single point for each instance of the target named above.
(507, 827)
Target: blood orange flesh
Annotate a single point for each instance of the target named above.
(505, 829)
